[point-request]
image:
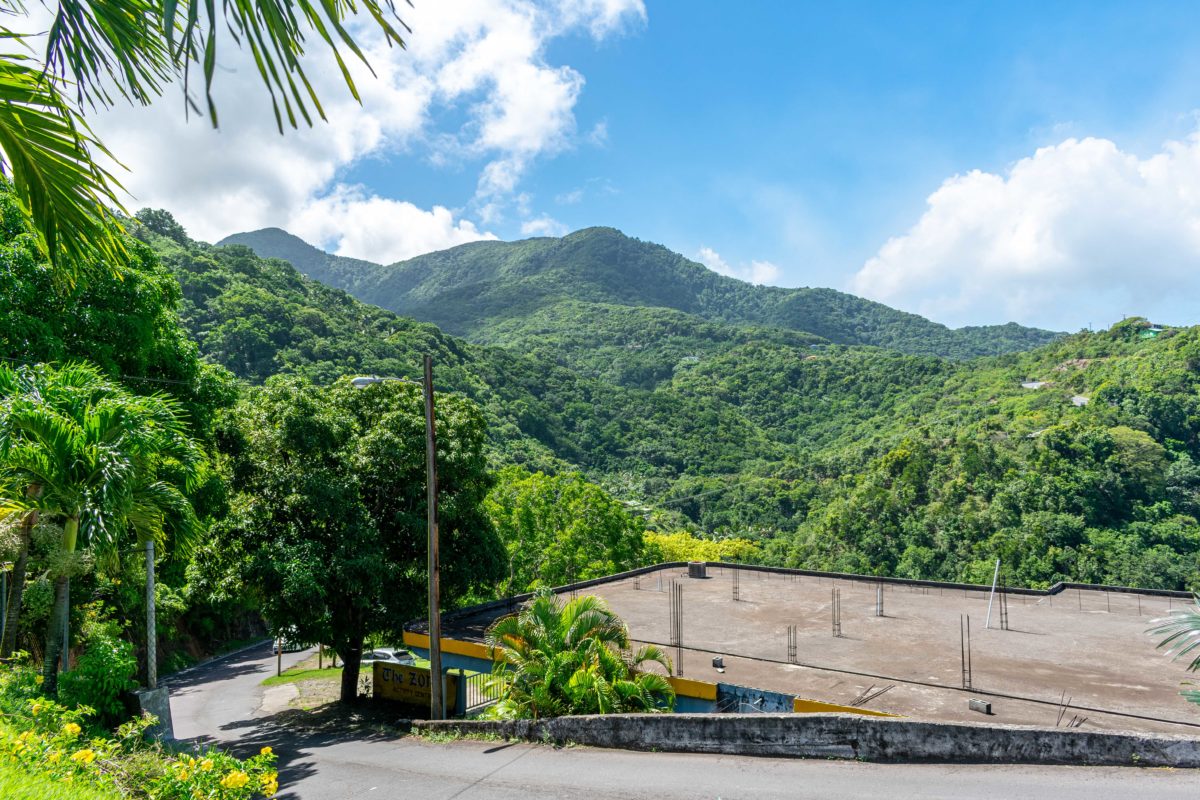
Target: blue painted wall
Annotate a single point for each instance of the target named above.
(734, 699)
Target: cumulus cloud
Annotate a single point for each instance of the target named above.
(474, 88)
(544, 225)
(378, 229)
(759, 272)
(1080, 232)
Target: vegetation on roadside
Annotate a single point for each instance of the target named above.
(297, 675)
(48, 743)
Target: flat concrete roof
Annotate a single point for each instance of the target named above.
(1082, 654)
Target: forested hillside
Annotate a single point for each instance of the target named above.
(829, 456)
(473, 289)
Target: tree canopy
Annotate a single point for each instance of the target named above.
(330, 509)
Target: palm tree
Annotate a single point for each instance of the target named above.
(98, 53)
(96, 453)
(1182, 638)
(555, 658)
(19, 388)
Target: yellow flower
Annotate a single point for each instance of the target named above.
(206, 764)
(85, 756)
(183, 774)
(266, 751)
(268, 778)
(39, 679)
(54, 757)
(25, 737)
(71, 729)
(37, 708)
(235, 780)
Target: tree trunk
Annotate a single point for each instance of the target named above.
(17, 591)
(151, 626)
(61, 613)
(351, 654)
(54, 635)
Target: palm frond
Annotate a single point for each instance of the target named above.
(275, 32)
(49, 152)
(1182, 634)
(111, 46)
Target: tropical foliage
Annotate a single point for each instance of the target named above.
(556, 658)
(106, 465)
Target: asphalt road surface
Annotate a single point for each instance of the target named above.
(222, 702)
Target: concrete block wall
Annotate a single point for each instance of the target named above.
(843, 736)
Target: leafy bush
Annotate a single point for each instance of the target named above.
(103, 673)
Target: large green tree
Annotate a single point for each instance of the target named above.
(331, 510)
(127, 326)
(97, 54)
(107, 465)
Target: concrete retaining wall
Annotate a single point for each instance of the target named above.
(842, 736)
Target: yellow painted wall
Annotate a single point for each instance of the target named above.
(701, 690)
(802, 706)
(470, 649)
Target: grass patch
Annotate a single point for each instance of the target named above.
(442, 737)
(295, 675)
(17, 784)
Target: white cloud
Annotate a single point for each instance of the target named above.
(573, 197)
(1077, 233)
(603, 17)
(598, 136)
(758, 272)
(543, 226)
(473, 88)
(377, 229)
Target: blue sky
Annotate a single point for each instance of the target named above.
(789, 142)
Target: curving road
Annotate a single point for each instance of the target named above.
(223, 702)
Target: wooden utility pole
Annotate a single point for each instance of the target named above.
(436, 704)
(151, 628)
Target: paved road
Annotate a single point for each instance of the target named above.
(220, 702)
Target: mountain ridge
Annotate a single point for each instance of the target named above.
(469, 289)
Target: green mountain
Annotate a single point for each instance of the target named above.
(473, 289)
(831, 456)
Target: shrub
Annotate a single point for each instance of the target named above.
(103, 673)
